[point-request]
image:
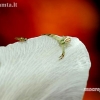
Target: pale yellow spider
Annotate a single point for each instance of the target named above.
(62, 42)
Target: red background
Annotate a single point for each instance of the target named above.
(78, 18)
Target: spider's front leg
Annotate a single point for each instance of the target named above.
(63, 52)
(51, 35)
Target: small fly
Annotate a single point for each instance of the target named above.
(21, 39)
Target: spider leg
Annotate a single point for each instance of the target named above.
(63, 52)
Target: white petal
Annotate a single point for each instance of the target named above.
(32, 70)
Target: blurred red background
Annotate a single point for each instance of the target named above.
(78, 18)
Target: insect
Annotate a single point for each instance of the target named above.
(63, 41)
(21, 39)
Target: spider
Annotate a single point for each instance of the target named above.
(63, 41)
